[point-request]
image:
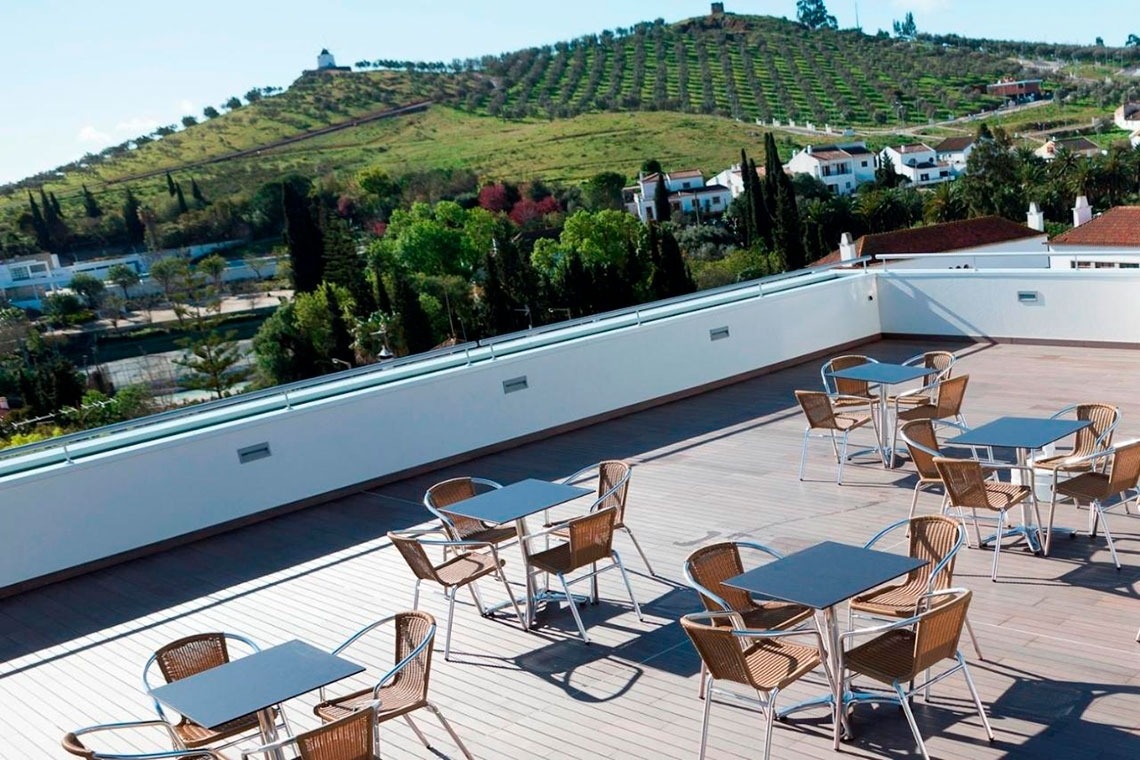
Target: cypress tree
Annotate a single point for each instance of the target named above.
(182, 207)
(136, 230)
(196, 193)
(43, 239)
(50, 217)
(761, 210)
(499, 309)
(414, 320)
(661, 209)
(55, 205)
(344, 266)
(170, 185)
(748, 223)
(303, 238)
(788, 235)
(90, 205)
(671, 276)
(341, 337)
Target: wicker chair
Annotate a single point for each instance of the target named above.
(824, 420)
(589, 541)
(947, 397)
(709, 567)
(75, 742)
(462, 570)
(934, 538)
(846, 393)
(1121, 472)
(903, 651)
(402, 689)
(921, 440)
(967, 488)
(767, 661)
(613, 490)
(942, 362)
(189, 656)
(353, 737)
(458, 527)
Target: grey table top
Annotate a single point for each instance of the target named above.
(253, 683)
(1019, 432)
(824, 575)
(517, 500)
(882, 372)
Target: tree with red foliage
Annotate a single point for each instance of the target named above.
(495, 198)
(527, 210)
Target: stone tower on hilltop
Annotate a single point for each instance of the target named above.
(325, 60)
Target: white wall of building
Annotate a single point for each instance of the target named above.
(64, 515)
(982, 257)
(1092, 256)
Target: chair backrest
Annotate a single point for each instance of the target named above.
(922, 443)
(191, 655)
(1097, 436)
(591, 537)
(817, 408)
(709, 567)
(414, 554)
(935, 538)
(412, 629)
(444, 494)
(942, 361)
(720, 650)
(350, 738)
(1124, 468)
(964, 481)
(845, 386)
(951, 393)
(938, 629)
(613, 486)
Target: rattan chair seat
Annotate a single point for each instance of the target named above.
(395, 700)
(773, 663)
(925, 411)
(194, 735)
(854, 403)
(495, 535)
(768, 616)
(1005, 495)
(885, 658)
(1063, 462)
(892, 601)
(848, 421)
(1086, 486)
(467, 567)
(555, 560)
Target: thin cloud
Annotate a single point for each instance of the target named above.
(136, 126)
(89, 134)
(186, 107)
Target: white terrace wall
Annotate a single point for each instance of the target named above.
(64, 515)
(1031, 305)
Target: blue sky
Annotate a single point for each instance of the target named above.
(83, 75)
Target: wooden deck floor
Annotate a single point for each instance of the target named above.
(1061, 676)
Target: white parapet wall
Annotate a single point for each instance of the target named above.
(1095, 306)
(67, 514)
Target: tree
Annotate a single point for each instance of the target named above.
(233, 103)
(662, 210)
(169, 185)
(415, 327)
(88, 287)
(1099, 42)
(125, 276)
(136, 230)
(170, 272)
(813, 14)
(55, 205)
(90, 205)
(604, 191)
(651, 166)
(189, 121)
(212, 361)
(196, 194)
(303, 238)
(344, 266)
(182, 207)
(1132, 41)
(670, 276)
(906, 30)
(210, 112)
(45, 379)
(39, 226)
(253, 95)
(214, 267)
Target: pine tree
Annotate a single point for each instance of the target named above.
(182, 207)
(55, 205)
(90, 205)
(303, 237)
(196, 194)
(344, 266)
(39, 226)
(414, 322)
(170, 185)
(136, 230)
(341, 336)
(671, 276)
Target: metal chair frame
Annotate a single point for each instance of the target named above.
(838, 447)
(447, 522)
(831, 387)
(904, 404)
(73, 745)
(619, 491)
(924, 481)
(284, 742)
(903, 694)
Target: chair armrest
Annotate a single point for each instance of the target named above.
(578, 475)
(848, 397)
(875, 629)
(132, 724)
(402, 664)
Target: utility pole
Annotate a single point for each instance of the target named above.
(857, 15)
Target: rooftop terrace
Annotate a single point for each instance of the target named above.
(1061, 676)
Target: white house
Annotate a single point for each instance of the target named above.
(26, 280)
(841, 167)
(733, 179)
(1079, 146)
(955, 151)
(688, 194)
(1127, 117)
(1108, 241)
(918, 162)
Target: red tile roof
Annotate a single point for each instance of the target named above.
(953, 144)
(913, 148)
(1119, 226)
(939, 238)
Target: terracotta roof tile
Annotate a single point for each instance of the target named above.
(954, 144)
(939, 238)
(1119, 226)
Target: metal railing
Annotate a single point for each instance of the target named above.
(84, 443)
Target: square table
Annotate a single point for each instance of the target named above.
(884, 375)
(515, 503)
(254, 684)
(822, 577)
(1024, 434)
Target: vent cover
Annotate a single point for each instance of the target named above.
(254, 452)
(515, 384)
(718, 333)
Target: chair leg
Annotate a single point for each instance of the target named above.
(904, 702)
(997, 545)
(416, 729)
(705, 719)
(474, 589)
(416, 596)
(511, 596)
(771, 714)
(451, 731)
(595, 597)
(705, 670)
(1052, 509)
(1107, 536)
(913, 503)
(803, 451)
(573, 608)
(842, 460)
(974, 639)
(977, 699)
(628, 587)
(637, 545)
(450, 618)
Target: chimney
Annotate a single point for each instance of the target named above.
(846, 247)
(808, 149)
(1082, 212)
(1035, 219)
